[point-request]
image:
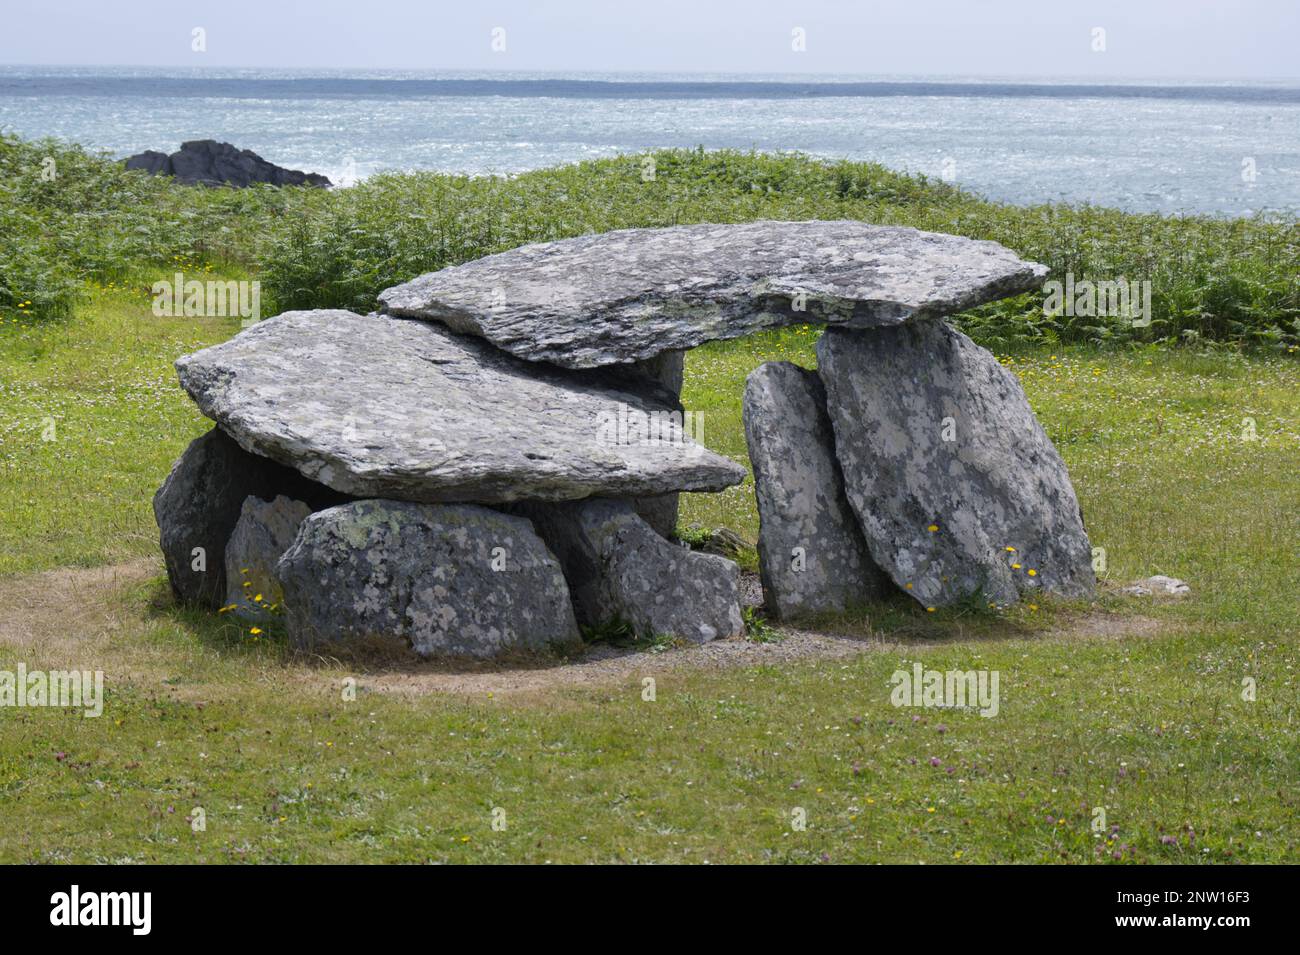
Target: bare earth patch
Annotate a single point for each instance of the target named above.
(69, 612)
(66, 616)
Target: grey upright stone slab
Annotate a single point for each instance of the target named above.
(265, 530)
(381, 407)
(619, 569)
(628, 295)
(947, 468)
(812, 557)
(456, 579)
(667, 369)
(200, 502)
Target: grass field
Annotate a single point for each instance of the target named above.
(1185, 462)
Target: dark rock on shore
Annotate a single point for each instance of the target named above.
(206, 162)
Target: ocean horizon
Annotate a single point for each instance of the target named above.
(1138, 145)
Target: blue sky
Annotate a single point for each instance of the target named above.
(1143, 38)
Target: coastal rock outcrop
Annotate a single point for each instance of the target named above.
(206, 162)
(375, 406)
(631, 294)
(811, 554)
(957, 488)
(621, 571)
(458, 579)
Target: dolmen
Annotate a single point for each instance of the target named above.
(492, 461)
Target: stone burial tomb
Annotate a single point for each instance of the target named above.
(492, 462)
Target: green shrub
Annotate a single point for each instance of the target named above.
(68, 217)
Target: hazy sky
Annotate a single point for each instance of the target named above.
(1156, 38)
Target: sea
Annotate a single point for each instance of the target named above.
(1211, 147)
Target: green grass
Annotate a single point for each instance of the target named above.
(91, 417)
(1152, 728)
(1152, 731)
(1127, 705)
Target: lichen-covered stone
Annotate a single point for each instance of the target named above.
(631, 294)
(200, 502)
(667, 369)
(455, 579)
(812, 558)
(1159, 584)
(376, 406)
(264, 531)
(620, 570)
(957, 488)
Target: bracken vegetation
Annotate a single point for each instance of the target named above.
(1233, 281)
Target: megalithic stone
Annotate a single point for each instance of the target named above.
(450, 579)
(619, 570)
(199, 504)
(811, 554)
(376, 406)
(266, 529)
(958, 490)
(667, 369)
(631, 294)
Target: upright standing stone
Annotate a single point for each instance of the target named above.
(957, 488)
(619, 570)
(669, 370)
(811, 554)
(265, 530)
(455, 579)
(200, 502)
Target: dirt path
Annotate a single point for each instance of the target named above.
(70, 611)
(72, 614)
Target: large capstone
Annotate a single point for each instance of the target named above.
(957, 488)
(376, 406)
(620, 571)
(811, 554)
(200, 502)
(458, 579)
(265, 530)
(631, 294)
